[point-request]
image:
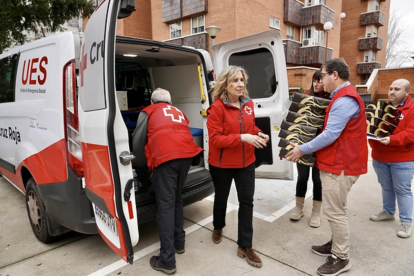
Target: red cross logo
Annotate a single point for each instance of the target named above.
(83, 63)
(175, 114)
(248, 110)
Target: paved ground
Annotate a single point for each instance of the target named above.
(284, 246)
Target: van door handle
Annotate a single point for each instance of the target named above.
(125, 158)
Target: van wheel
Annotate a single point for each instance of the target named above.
(37, 213)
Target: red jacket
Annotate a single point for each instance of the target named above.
(401, 146)
(169, 135)
(225, 124)
(350, 151)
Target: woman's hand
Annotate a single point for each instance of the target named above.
(264, 136)
(254, 140)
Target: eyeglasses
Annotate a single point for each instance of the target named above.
(323, 74)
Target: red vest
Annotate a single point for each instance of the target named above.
(169, 135)
(350, 151)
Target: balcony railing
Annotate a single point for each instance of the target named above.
(371, 43)
(317, 15)
(364, 68)
(311, 55)
(373, 18)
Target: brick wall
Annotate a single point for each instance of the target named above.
(384, 78)
(300, 77)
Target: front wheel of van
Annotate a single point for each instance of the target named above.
(37, 213)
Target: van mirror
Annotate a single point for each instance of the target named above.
(127, 7)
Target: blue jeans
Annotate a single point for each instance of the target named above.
(395, 179)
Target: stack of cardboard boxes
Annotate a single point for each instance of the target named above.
(382, 119)
(303, 122)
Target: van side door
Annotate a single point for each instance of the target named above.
(104, 137)
(262, 56)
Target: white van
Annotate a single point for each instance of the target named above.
(68, 106)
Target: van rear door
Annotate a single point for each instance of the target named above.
(262, 55)
(104, 137)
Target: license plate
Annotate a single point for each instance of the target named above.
(107, 219)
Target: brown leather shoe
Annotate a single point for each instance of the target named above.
(217, 236)
(251, 256)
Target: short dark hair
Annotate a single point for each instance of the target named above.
(339, 65)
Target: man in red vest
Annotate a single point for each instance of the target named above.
(341, 156)
(163, 133)
(393, 161)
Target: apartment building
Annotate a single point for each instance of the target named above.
(360, 37)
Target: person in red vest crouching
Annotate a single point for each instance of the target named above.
(164, 134)
(341, 157)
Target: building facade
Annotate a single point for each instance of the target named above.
(360, 38)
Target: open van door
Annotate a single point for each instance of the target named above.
(104, 137)
(263, 57)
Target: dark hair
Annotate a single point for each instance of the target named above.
(339, 65)
(316, 76)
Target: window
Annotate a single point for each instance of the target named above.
(259, 64)
(309, 3)
(290, 32)
(312, 36)
(371, 31)
(8, 67)
(197, 24)
(274, 23)
(369, 56)
(175, 30)
(373, 5)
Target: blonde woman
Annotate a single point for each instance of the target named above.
(233, 136)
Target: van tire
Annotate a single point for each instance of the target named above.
(37, 213)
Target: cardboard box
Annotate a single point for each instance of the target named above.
(311, 110)
(307, 160)
(300, 129)
(311, 100)
(297, 118)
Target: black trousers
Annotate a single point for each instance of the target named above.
(302, 184)
(244, 179)
(168, 180)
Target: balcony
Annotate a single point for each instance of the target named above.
(198, 41)
(370, 43)
(293, 51)
(292, 12)
(365, 68)
(298, 15)
(173, 10)
(317, 15)
(376, 18)
(314, 56)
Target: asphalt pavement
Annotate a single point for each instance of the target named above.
(283, 245)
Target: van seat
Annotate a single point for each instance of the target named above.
(196, 131)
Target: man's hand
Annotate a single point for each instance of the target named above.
(294, 154)
(385, 140)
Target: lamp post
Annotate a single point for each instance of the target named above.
(213, 32)
(327, 27)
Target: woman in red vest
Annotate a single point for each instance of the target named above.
(233, 137)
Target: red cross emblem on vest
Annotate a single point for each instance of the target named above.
(173, 112)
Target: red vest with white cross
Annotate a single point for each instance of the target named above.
(169, 135)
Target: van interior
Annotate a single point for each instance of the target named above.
(141, 66)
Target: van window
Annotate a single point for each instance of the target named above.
(135, 79)
(8, 67)
(261, 71)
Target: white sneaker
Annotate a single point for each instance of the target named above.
(405, 229)
(383, 215)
